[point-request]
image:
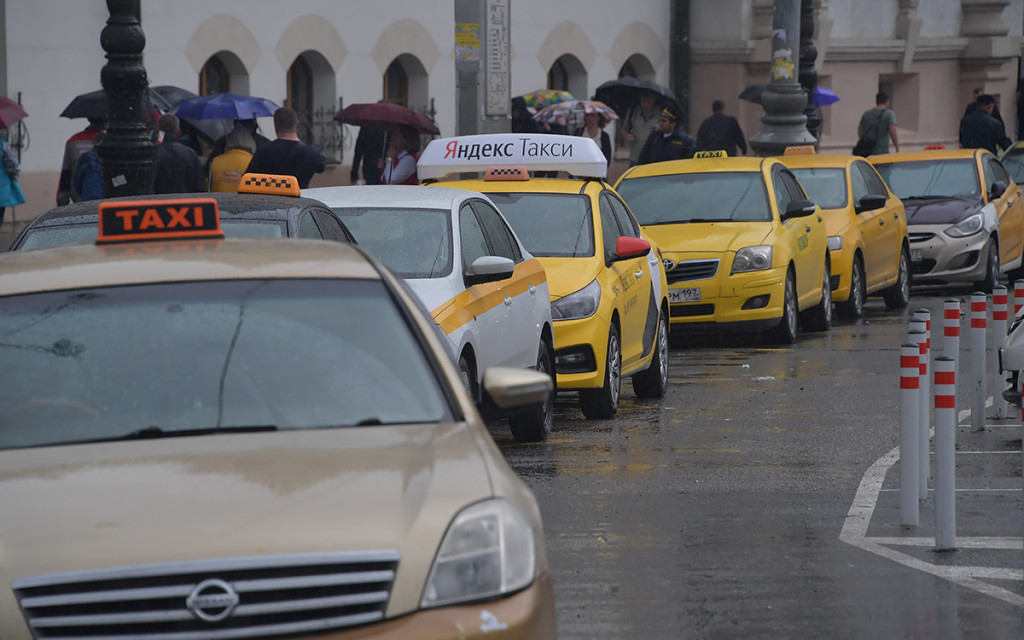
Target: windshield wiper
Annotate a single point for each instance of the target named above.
(153, 432)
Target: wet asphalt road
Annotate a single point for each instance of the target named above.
(716, 512)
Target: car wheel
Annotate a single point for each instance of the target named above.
(819, 317)
(653, 382)
(467, 375)
(785, 332)
(604, 402)
(534, 426)
(898, 295)
(991, 269)
(853, 307)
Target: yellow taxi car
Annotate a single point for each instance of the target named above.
(745, 250)
(609, 300)
(867, 228)
(248, 438)
(964, 211)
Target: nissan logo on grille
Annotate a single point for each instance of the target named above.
(669, 264)
(212, 600)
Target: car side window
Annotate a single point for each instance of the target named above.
(308, 227)
(330, 225)
(609, 227)
(1000, 171)
(627, 225)
(474, 243)
(783, 195)
(859, 186)
(871, 178)
(501, 240)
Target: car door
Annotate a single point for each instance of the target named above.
(629, 281)
(883, 228)
(522, 296)
(795, 238)
(653, 273)
(1009, 208)
(489, 315)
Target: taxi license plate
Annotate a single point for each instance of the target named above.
(916, 255)
(688, 294)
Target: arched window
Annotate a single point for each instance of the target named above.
(214, 77)
(558, 76)
(300, 95)
(396, 84)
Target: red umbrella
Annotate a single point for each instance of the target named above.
(385, 115)
(10, 112)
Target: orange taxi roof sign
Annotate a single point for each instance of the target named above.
(130, 220)
(800, 150)
(269, 183)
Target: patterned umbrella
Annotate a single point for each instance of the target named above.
(562, 112)
(545, 97)
(10, 112)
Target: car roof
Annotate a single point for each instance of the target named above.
(89, 265)
(700, 165)
(804, 161)
(930, 154)
(391, 196)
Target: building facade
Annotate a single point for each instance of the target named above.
(319, 55)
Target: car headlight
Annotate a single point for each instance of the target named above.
(487, 551)
(756, 258)
(967, 227)
(581, 304)
(835, 243)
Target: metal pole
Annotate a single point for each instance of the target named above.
(910, 388)
(945, 454)
(919, 336)
(978, 393)
(999, 301)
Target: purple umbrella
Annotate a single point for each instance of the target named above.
(224, 106)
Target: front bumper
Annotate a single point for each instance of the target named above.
(739, 303)
(936, 257)
(581, 351)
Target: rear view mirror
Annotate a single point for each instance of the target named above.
(800, 209)
(627, 247)
(997, 189)
(871, 202)
(489, 269)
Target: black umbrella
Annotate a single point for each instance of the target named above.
(94, 104)
(625, 92)
(752, 94)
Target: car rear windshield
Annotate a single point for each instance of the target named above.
(826, 187)
(104, 363)
(58, 235)
(697, 197)
(932, 178)
(550, 225)
(414, 243)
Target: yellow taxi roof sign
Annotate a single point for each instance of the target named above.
(717, 153)
(800, 150)
(578, 156)
(269, 183)
(129, 220)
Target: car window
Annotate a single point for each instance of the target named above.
(554, 225)
(43, 237)
(627, 225)
(825, 186)
(474, 243)
(859, 186)
(1014, 164)
(609, 227)
(994, 172)
(932, 178)
(330, 225)
(738, 196)
(85, 359)
(499, 236)
(782, 194)
(308, 227)
(872, 180)
(252, 228)
(412, 242)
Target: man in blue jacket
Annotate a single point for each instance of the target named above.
(669, 143)
(981, 130)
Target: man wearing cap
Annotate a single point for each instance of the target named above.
(669, 143)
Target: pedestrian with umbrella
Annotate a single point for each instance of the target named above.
(399, 167)
(11, 194)
(721, 132)
(404, 126)
(75, 147)
(287, 155)
(176, 167)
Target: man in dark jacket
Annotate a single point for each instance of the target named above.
(287, 155)
(670, 143)
(721, 132)
(981, 130)
(176, 168)
(370, 146)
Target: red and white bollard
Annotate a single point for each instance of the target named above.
(999, 302)
(951, 328)
(945, 454)
(919, 336)
(978, 312)
(1018, 296)
(910, 388)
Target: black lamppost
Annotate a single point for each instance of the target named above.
(127, 151)
(808, 74)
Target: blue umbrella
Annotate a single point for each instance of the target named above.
(224, 106)
(824, 96)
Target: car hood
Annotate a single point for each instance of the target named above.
(940, 210)
(707, 237)
(142, 502)
(569, 275)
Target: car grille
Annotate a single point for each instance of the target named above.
(687, 310)
(692, 270)
(920, 237)
(255, 597)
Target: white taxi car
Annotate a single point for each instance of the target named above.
(609, 298)
(456, 252)
(248, 438)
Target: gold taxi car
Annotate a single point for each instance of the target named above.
(745, 250)
(609, 301)
(964, 211)
(248, 438)
(867, 228)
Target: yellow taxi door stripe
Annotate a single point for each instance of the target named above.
(481, 298)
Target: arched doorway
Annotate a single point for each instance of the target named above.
(223, 72)
(310, 92)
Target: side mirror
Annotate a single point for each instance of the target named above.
(627, 247)
(871, 202)
(997, 189)
(489, 269)
(508, 390)
(800, 209)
